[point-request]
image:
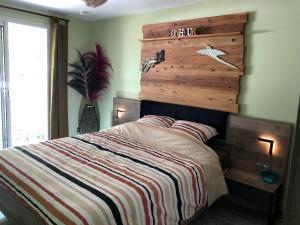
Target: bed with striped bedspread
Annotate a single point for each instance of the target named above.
(104, 178)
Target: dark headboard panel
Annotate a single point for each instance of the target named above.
(210, 117)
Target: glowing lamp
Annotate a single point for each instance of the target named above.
(267, 175)
(120, 113)
(270, 142)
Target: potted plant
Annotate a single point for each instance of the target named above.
(90, 76)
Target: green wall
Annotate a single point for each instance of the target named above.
(79, 38)
(270, 89)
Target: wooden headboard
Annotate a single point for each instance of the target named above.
(187, 77)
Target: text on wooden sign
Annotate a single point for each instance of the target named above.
(182, 32)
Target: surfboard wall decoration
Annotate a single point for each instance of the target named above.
(202, 63)
(215, 54)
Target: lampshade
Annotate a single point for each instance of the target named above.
(94, 3)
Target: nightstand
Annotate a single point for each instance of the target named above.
(254, 181)
(125, 110)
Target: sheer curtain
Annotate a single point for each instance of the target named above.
(58, 79)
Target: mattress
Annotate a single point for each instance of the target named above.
(130, 174)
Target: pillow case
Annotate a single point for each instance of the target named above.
(200, 131)
(159, 121)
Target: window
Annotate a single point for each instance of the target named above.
(24, 84)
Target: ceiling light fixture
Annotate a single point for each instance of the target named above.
(94, 3)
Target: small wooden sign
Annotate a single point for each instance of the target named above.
(183, 32)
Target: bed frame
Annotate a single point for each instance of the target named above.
(229, 126)
(15, 211)
(217, 119)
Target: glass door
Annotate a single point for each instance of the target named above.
(25, 93)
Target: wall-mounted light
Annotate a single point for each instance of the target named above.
(270, 142)
(267, 175)
(120, 113)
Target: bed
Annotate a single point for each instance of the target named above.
(128, 174)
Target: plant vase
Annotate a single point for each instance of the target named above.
(89, 119)
(89, 76)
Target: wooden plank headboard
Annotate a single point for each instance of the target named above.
(187, 77)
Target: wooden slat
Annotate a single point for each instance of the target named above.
(200, 95)
(228, 40)
(188, 51)
(192, 78)
(190, 37)
(240, 18)
(163, 70)
(186, 100)
(230, 86)
(198, 60)
(211, 30)
(208, 21)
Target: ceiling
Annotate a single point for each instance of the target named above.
(112, 8)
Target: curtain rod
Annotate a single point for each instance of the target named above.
(34, 13)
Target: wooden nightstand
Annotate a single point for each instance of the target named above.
(125, 110)
(255, 181)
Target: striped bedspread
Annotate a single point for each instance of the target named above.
(104, 178)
